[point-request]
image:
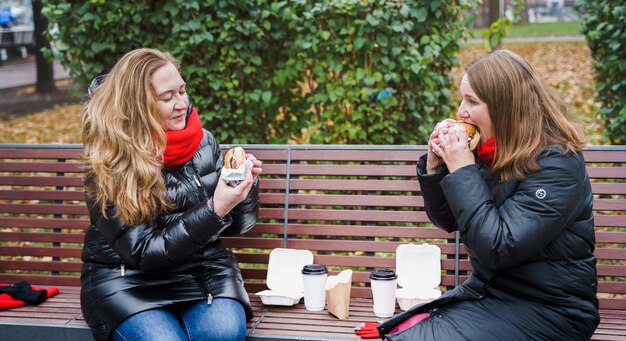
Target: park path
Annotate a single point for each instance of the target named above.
(24, 73)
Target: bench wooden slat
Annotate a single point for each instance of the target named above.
(64, 195)
(358, 215)
(611, 253)
(354, 185)
(274, 169)
(609, 220)
(609, 204)
(354, 245)
(605, 156)
(44, 209)
(612, 287)
(69, 181)
(41, 237)
(47, 167)
(366, 231)
(356, 155)
(353, 170)
(610, 237)
(41, 279)
(606, 172)
(608, 188)
(40, 153)
(65, 222)
(355, 199)
(611, 270)
(41, 251)
(31, 265)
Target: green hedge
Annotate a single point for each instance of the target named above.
(604, 25)
(342, 71)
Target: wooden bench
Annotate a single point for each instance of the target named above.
(350, 205)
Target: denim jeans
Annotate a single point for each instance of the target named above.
(223, 319)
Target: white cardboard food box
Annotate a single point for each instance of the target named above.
(284, 276)
(419, 274)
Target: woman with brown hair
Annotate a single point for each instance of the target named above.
(522, 205)
(154, 267)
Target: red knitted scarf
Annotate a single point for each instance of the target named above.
(182, 144)
(486, 151)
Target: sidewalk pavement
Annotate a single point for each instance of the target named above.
(542, 39)
(25, 73)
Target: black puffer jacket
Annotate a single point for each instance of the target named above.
(178, 258)
(530, 244)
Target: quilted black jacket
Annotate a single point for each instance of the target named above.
(530, 244)
(178, 258)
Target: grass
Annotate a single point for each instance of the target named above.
(537, 29)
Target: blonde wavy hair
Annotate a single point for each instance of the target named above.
(124, 140)
(526, 114)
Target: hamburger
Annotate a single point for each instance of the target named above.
(234, 158)
(473, 136)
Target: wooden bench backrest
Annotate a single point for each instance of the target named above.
(352, 206)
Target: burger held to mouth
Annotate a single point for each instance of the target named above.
(473, 135)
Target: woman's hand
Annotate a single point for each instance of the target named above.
(434, 161)
(453, 150)
(256, 166)
(225, 198)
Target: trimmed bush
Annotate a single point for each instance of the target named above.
(349, 71)
(604, 25)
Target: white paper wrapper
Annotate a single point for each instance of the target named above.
(453, 127)
(234, 177)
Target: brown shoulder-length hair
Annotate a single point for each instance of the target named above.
(124, 141)
(527, 116)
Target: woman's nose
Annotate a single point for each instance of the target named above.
(462, 113)
(181, 102)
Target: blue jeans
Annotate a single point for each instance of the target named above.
(223, 319)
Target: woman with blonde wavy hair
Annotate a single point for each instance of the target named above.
(522, 205)
(154, 267)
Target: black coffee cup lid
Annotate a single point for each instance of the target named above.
(383, 275)
(314, 269)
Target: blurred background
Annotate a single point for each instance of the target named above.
(42, 83)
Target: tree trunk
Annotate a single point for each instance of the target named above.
(494, 11)
(524, 15)
(45, 72)
(494, 15)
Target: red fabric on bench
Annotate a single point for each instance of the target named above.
(7, 301)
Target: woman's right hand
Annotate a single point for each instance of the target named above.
(434, 161)
(225, 197)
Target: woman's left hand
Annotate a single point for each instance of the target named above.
(454, 150)
(225, 198)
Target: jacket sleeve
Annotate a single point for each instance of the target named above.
(153, 247)
(435, 202)
(543, 205)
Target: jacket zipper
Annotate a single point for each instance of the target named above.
(122, 269)
(200, 192)
(206, 290)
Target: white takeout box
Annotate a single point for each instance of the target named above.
(419, 274)
(284, 276)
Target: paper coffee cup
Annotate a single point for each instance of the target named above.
(383, 283)
(314, 280)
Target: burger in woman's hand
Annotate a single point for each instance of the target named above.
(234, 158)
(473, 136)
